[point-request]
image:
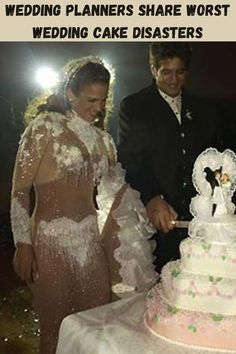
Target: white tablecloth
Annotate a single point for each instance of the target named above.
(115, 328)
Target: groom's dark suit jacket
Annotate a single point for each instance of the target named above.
(158, 153)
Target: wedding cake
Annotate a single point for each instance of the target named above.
(195, 301)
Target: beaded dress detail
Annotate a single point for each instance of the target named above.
(65, 159)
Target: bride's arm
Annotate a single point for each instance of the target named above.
(31, 150)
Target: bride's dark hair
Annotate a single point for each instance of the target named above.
(75, 75)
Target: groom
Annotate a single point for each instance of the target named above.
(162, 131)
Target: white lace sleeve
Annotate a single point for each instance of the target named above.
(31, 149)
(20, 222)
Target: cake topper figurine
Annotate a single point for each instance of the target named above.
(220, 184)
(214, 177)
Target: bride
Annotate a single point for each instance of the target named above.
(69, 253)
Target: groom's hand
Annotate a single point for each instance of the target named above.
(161, 214)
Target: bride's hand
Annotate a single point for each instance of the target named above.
(24, 263)
(161, 214)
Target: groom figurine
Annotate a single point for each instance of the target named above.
(162, 130)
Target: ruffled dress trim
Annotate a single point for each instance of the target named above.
(135, 251)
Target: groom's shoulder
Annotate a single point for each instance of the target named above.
(140, 97)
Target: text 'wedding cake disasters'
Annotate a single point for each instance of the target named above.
(195, 301)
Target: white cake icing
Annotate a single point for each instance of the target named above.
(198, 292)
(202, 255)
(195, 302)
(218, 230)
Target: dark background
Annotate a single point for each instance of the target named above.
(212, 74)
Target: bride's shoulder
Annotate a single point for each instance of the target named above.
(49, 122)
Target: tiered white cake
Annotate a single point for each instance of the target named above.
(195, 302)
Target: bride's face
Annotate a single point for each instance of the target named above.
(91, 101)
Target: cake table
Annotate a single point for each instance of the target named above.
(116, 328)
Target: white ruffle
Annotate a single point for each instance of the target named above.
(201, 207)
(218, 230)
(135, 251)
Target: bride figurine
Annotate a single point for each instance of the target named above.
(220, 184)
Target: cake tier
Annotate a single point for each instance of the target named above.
(200, 256)
(198, 292)
(189, 327)
(221, 229)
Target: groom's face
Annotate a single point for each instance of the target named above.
(170, 76)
